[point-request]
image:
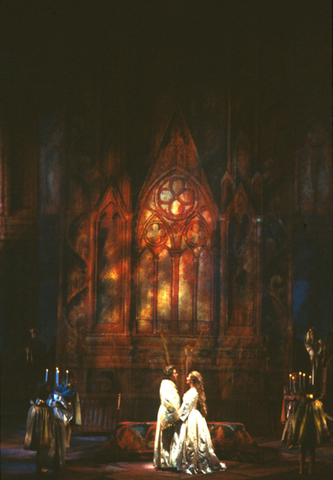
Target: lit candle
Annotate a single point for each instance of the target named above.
(67, 377)
(57, 376)
(294, 385)
(46, 374)
(304, 380)
(310, 380)
(119, 400)
(300, 380)
(290, 375)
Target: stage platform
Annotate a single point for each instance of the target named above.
(86, 460)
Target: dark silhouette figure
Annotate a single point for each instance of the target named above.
(314, 348)
(35, 361)
(327, 376)
(310, 427)
(301, 358)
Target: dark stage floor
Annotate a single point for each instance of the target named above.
(82, 461)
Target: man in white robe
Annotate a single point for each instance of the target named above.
(166, 434)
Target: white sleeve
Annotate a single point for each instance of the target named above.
(170, 404)
(169, 395)
(188, 404)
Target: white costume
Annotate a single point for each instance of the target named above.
(194, 452)
(165, 437)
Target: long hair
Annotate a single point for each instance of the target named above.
(199, 386)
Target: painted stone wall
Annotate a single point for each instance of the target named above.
(174, 280)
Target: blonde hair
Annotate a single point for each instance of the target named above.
(198, 384)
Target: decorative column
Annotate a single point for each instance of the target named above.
(258, 287)
(195, 294)
(155, 294)
(223, 275)
(127, 273)
(175, 255)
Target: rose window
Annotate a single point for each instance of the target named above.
(176, 198)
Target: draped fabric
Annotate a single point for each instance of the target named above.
(38, 428)
(194, 452)
(166, 435)
(310, 423)
(289, 430)
(46, 431)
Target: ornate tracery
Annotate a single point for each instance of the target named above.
(110, 281)
(175, 263)
(176, 223)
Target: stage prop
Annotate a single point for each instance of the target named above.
(231, 442)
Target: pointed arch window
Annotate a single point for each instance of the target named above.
(175, 256)
(241, 267)
(110, 286)
(109, 267)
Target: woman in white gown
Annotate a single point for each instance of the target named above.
(194, 452)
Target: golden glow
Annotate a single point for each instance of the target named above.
(204, 287)
(165, 195)
(185, 286)
(164, 286)
(111, 275)
(110, 265)
(176, 208)
(146, 291)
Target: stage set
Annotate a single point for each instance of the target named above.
(166, 193)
